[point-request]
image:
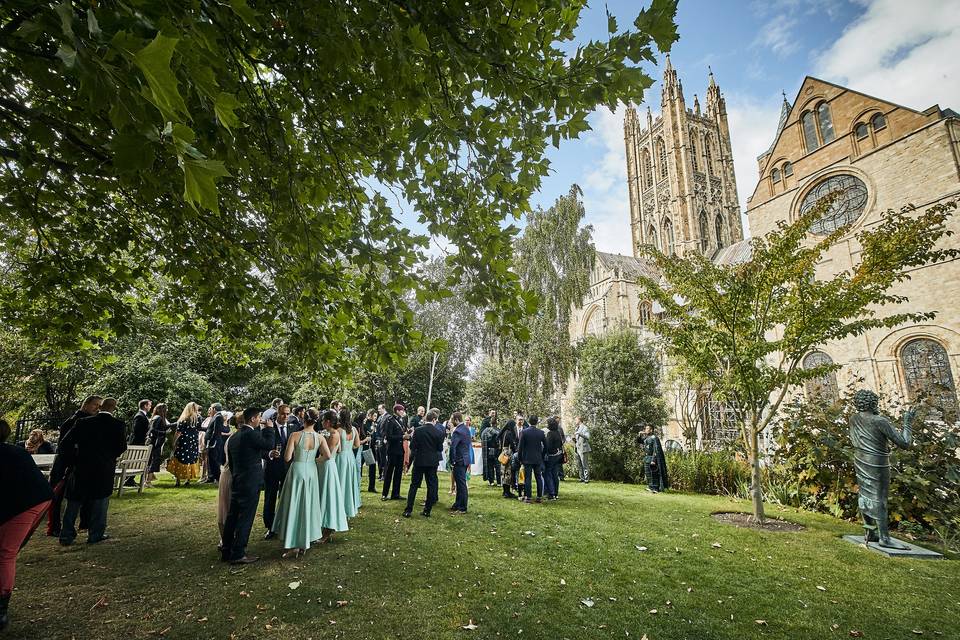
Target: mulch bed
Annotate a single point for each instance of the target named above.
(743, 520)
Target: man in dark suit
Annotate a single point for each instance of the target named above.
(394, 428)
(426, 451)
(246, 449)
(275, 470)
(295, 420)
(531, 448)
(92, 448)
(460, 444)
(90, 407)
(141, 427)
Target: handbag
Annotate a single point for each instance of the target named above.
(504, 458)
(368, 458)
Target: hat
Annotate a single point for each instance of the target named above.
(398, 407)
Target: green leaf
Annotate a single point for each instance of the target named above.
(65, 11)
(154, 61)
(224, 108)
(93, 27)
(246, 13)
(68, 55)
(131, 153)
(200, 182)
(418, 39)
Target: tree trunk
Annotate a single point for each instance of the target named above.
(756, 489)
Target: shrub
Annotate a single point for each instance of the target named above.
(714, 472)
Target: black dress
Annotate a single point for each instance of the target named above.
(158, 437)
(655, 464)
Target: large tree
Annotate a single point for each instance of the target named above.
(747, 327)
(229, 158)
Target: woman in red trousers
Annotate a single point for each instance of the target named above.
(25, 498)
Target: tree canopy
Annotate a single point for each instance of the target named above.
(239, 169)
(745, 328)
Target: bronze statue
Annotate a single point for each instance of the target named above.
(871, 435)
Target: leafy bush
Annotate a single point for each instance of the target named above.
(814, 457)
(714, 472)
(618, 390)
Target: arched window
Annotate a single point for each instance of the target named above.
(693, 151)
(668, 247)
(926, 370)
(826, 124)
(652, 236)
(704, 232)
(594, 323)
(809, 131)
(718, 229)
(787, 169)
(647, 170)
(644, 312)
(824, 386)
(662, 157)
(707, 154)
(861, 131)
(878, 122)
(775, 175)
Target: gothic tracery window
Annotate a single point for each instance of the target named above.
(826, 124)
(647, 170)
(718, 229)
(809, 125)
(662, 157)
(823, 387)
(844, 210)
(693, 151)
(644, 312)
(704, 232)
(927, 373)
(668, 247)
(707, 153)
(652, 236)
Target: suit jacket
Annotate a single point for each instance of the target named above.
(245, 449)
(532, 445)
(426, 445)
(393, 430)
(214, 434)
(582, 438)
(275, 470)
(460, 446)
(94, 445)
(141, 426)
(293, 424)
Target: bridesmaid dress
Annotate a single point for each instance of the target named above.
(332, 512)
(349, 480)
(298, 521)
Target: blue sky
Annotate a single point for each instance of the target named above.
(904, 51)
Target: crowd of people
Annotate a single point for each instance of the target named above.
(307, 463)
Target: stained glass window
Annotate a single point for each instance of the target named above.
(704, 232)
(826, 125)
(926, 371)
(810, 131)
(667, 237)
(844, 210)
(824, 386)
(662, 157)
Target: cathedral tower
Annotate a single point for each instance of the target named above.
(683, 193)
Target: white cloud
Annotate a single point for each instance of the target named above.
(753, 124)
(777, 34)
(604, 185)
(905, 52)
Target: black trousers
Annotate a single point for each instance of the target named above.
(214, 461)
(96, 509)
(239, 521)
(271, 490)
(392, 475)
(381, 454)
(460, 478)
(491, 470)
(372, 484)
(536, 471)
(433, 487)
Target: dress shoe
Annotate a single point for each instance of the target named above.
(425, 513)
(406, 514)
(103, 538)
(269, 535)
(245, 560)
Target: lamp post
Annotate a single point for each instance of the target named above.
(433, 366)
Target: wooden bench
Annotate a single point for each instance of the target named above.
(44, 462)
(136, 459)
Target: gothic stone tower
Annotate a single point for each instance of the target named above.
(683, 193)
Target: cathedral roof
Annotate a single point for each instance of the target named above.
(785, 109)
(627, 266)
(733, 254)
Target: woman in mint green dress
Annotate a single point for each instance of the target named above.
(333, 515)
(298, 521)
(347, 464)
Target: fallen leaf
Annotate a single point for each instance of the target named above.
(244, 594)
(855, 633)
(342, 603)
(762, 623)
(294, 585)
(820, 587)
(99, 604)
(639, 548)
(716, 545)
(470, 626)
(653, 611)
(562, 581)
(587, 601)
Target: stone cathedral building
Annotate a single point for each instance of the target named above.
(683, 198)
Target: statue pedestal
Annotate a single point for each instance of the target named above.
(914, 552)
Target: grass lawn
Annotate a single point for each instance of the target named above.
(521, 571)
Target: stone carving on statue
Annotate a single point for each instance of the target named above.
(871, 435)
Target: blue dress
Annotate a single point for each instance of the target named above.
(298, 521)
(349, 479)
(332, 512)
